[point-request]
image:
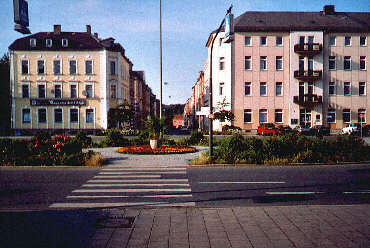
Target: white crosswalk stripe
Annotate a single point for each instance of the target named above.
(126, 187)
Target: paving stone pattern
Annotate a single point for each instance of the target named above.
(276, 226)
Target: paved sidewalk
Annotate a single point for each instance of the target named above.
(277, 226)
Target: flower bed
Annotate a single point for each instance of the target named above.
(164, 149)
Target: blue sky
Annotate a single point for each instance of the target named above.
(135, 24)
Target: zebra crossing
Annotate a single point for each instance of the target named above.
(132, 186)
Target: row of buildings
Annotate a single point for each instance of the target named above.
(68, 81)
(288, 68)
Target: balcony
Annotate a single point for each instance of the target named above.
(308, 75)
(308, 100)
(307, 49)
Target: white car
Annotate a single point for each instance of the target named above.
(351, 128)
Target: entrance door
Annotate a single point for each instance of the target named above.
(305, 117)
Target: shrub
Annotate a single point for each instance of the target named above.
(82, 139)
(93, 159)
(115, 138)
(231, 149)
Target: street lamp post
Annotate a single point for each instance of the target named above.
(160, 41)
(210, 124)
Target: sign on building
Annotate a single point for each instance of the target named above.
(21, 16)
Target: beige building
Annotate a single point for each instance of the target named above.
(66, 81)
(294, 68)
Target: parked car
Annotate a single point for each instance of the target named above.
(320, 130)
(352, 128)
(266, 129)
(303, 130)
(283, 130)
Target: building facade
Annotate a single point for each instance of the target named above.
(66, 81)
(294, 68)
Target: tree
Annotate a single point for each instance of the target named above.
(122, 115)
(5, 94)
(221, 114)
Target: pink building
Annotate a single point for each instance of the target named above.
(293, 68)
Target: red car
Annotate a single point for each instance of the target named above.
(266, 129)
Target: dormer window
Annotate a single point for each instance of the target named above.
(64, 42)
(32, 42)
(49, 42)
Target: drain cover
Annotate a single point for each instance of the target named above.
(114, 222)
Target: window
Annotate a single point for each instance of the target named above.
(89, 116)
(346, 116)
(247, 88)
(310, 40)
(26, 116)
(58, 91)
(279, 89)
(278, 115)
(362, 62)
(64, 42)
(222, 62)
(73, 90)
(331, 88)
(310, 64)
(73, 115)
(88, 67)
(41, 91)
(113, 68)
(263, 63)
(49, 42)
(301, 63)
(247, 116)
(301, 40)
(347, 63)
(221, 91)
(332, 41)
(40, 66)
(279, 63)
(263, 41)
(32, 42)
(263, 89)
(25, 67)
(72, 67)
(347, 89)
(89, 91)
(41, 115)
(347, 40)
(263, 116)
(247, 63)
(58, 115)
(361, 116)
(220, 42)
(113, 93)
(331, 116)
(279, 41)
(332, 63)
(363, 41)
(247, 41)
(25, 91)
(56, 67)
(310, 88)
(362, 88)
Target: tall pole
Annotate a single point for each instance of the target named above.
(210, 125)
(160, 41)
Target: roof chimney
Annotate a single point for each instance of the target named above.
(88, 29)
(329, 10)
(96, 35)
(57, 29)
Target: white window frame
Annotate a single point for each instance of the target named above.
(46, 116)
(28, 67)
(259, 115)
(363, 45)
(265, 84)
(248, 58)
(331, 59)
(61, 89)
(33, 42)
(250, 41)
(30, 122)
(282, 42)
(110, 67)
(48, 42)
(350, 63)
(92, 67)
(282, 89)
(58, 123)
(77, 94)
(282, 116)
(64, 42)
(250, 88)
(37, 65)
(350, 88)
(69, 67)
(221, 88)
(364, 83)
(331, 84)
(350, 116)
(89, 108)
(110, 90)
(265, 59)
(276, 63)
(363, 58)
(251, 113)
(222, 62)
(350, 41)
(60, 67)
(93, 90)
(46, 91)
(263, 45)
(69, 116)
(335, 40)
(335, 116)
(361, 111)
(29, 89)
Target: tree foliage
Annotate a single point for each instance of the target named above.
(222, 114)
(120, 116)
(5, 94)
